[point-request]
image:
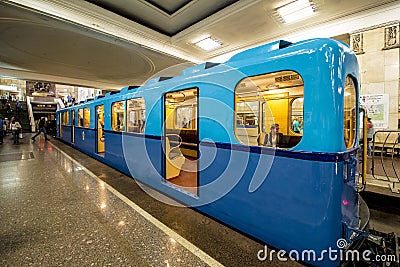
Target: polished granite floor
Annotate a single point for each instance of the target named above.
(59, 207)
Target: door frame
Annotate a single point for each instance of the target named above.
(73, 126)
(163, 144)
(97, 128)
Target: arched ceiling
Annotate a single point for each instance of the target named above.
(114, 43)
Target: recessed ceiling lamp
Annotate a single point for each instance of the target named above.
(296, 10)
(208, 43)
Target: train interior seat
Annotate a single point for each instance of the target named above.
(189, 141)
(287, 141)
(290, 141)
(261, 138)
(175, 160)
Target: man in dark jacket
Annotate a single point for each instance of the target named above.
(2, 123)
(42, 128)
(3, 102)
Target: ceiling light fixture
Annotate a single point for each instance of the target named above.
(296, 10)
(208, 44)
(8, 88)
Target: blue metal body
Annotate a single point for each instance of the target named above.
(298, 199)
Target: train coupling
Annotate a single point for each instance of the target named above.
(383, 248)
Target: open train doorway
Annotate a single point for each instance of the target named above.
(61, 121)
(100, 130)
(181, 139)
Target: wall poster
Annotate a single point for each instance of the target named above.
(377, 106)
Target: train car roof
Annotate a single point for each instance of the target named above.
(235, 61)
(260, 50)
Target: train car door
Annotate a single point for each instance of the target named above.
(73, 127)
(181, 139)
(100, 130)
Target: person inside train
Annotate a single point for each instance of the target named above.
(80, 120)
(141, 125)
(274, 138)
(119, 126)
(296, 125)
(184, 123)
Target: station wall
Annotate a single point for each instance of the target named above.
(378, 53)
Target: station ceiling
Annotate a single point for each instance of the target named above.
(114, 43)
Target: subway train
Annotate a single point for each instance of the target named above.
(266, 142)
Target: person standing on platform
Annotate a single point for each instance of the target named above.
(18, 107)
(370, 135)
(296, 125)
(42, 128)
(8, 108)
(7, 124)
(2, 128)
(15, 129)
(3, 102)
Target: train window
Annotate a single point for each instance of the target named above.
(66, 118)
(86, 117)
(136, 115)
(117, 116)
(350, 118)
(182, 109)
(268, 107)
(185, 117)
(296, 114)
(247, 114)
(80, 117)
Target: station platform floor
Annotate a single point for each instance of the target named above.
(59, 207)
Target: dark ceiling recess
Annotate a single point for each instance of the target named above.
(168, 7)
(163, 5)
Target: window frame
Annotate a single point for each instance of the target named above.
(84, 117)
(264, 105)
(194, 120)
(65, 118)
(350, 131)
(123, 121)
(137, 113)
(80, 117)
(291, 116)
(192, 125)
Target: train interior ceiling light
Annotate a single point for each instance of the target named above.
(296, 10)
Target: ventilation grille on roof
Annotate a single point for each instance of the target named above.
(164, 78)
(210, 65)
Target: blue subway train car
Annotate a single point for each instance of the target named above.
(266, 142)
